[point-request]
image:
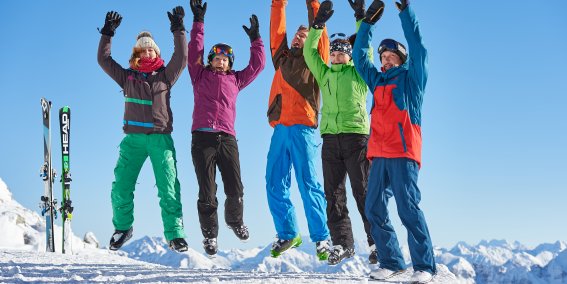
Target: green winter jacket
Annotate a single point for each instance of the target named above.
(344, 91)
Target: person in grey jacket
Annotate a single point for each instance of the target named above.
(148, 124)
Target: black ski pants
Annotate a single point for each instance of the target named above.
(344, 154)
(209, 151)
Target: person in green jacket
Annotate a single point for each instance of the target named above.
(344, 128)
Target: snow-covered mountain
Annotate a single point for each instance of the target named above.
(499, 261)
(22, 258)
(25, 229)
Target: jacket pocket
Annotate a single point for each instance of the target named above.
(403, 139)
(275, 109)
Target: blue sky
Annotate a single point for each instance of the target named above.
(493, 123)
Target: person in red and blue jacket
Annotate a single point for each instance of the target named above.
(394, 146)
(213, 145)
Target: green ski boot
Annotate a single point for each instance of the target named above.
(280, 246)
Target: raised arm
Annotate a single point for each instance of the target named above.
(360, 57)
(196, 42)
(178, 59)
(113, 69)
(257, 56)
(311, 54)
(417, 58)
(278, 35)
(359, 9)
(324, 45)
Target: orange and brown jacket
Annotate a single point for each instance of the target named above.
(294, 96)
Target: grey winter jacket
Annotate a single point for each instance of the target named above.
(147, 95)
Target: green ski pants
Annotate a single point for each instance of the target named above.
(134, 149)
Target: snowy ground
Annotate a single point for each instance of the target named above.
(95, 266)
(23, 259)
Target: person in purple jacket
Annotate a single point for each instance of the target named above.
(213, 145)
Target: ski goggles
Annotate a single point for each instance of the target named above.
(391, 45)
(338, 35)
(223, 49)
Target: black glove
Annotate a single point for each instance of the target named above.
(374, 12)
(199, 9)
(401, 6)
(176, 19)
(111, 22)
(358, 7)
(254, 30)
(323, 15)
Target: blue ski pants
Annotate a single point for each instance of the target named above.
(295, 145)
(398, 177)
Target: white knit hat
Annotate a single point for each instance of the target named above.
(145, 40)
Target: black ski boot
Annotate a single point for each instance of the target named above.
(179, 245)
(210, 246)
(338, 253)
(373, 257)
(119, 238)
(241, 232)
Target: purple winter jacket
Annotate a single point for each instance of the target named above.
(215, 93)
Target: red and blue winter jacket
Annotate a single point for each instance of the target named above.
(395, 129)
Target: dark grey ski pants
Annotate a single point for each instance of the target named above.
(344, 154)
(209, 151)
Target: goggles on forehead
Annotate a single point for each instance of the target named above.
(338, 35)
(391, 45)
(223, 49)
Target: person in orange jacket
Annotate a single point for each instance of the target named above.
(293, 113)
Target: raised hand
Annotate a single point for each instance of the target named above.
(374, 12)
(401, 6)
(254, 31)
(176, 19)
(199, 9)
(111, 22)
(323, 15)
(358, 8)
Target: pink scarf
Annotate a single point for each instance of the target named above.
(147, 65)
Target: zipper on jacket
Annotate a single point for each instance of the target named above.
(336, 103)
(402, 136)
(361, 113)
(217, 101)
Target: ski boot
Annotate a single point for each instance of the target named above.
(241, 232)
(119, 238)
(338, 253)
(382, 274)
(373, 256)
(279, 246)
(421, 277)
(323, 249)
(210, 246)
(178, 245)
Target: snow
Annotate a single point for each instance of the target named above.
(149, 260)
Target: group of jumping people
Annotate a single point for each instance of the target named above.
(380, 152)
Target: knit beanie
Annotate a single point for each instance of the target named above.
(341, 45)
(145, 40)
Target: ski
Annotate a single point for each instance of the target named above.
(66, 209)
(47, 173)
